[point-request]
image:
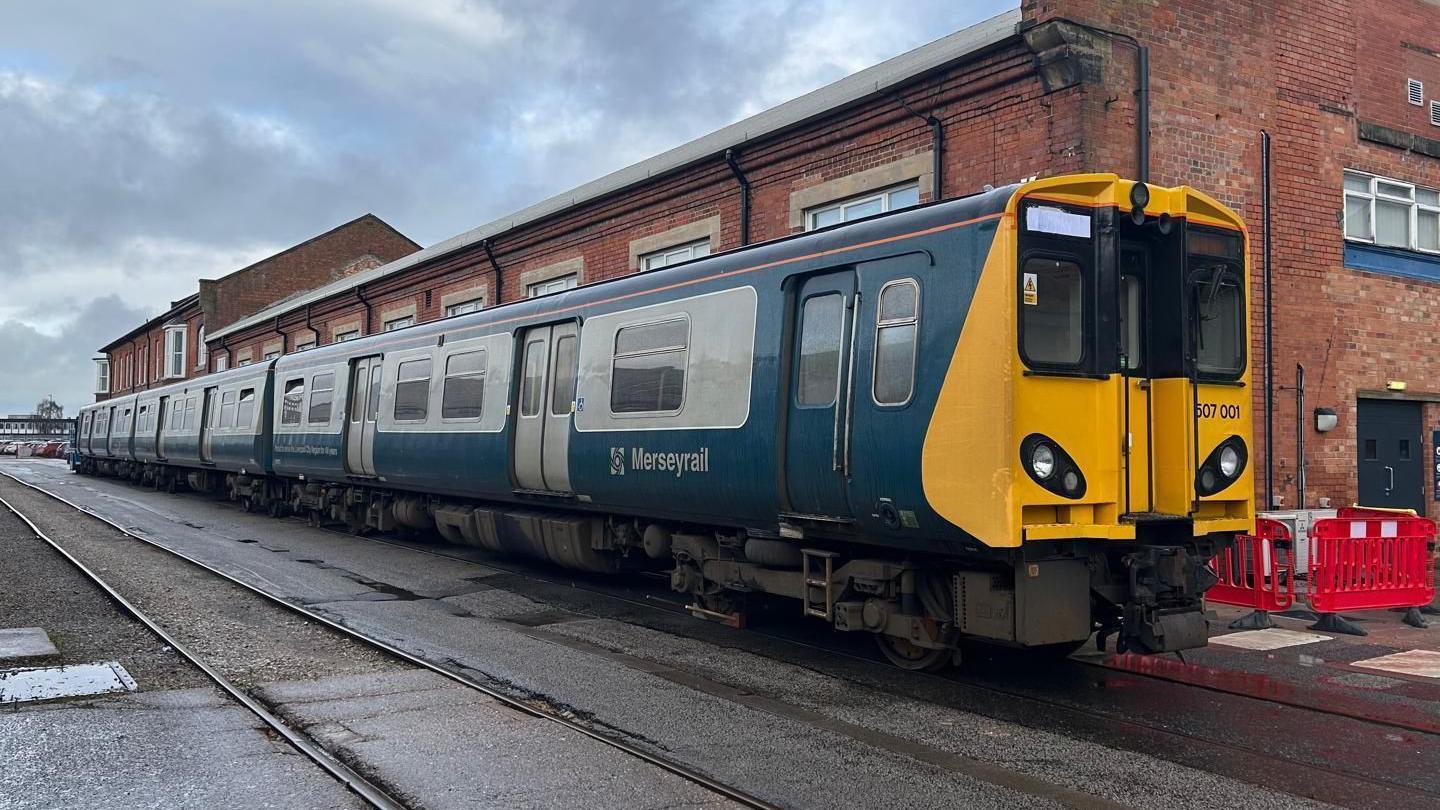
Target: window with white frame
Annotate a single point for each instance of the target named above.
(552, 285)
(1392, 213)
(465, 307)
(341, 337)
(222, 362)
(174, 351)
(306, 346)
(202, 352)
(271, 355)
(864, 205)
(675, 255)
(399, 323)
(102, 376)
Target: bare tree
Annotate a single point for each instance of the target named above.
(48, 408)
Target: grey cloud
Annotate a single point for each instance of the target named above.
(34, 364)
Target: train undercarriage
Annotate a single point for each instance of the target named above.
(1049, 597)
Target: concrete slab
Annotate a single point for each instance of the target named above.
(426, 736)
(26, 642)
(1424, 663)
(187, 749)
(54, 683)
(1273, 639)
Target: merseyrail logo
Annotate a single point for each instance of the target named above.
(642, 460)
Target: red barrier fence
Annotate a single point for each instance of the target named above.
(1368, 559)
(1256, 572)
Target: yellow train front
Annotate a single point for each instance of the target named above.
(1115, 312)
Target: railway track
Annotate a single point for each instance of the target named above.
(1334, 781)
(368, 791)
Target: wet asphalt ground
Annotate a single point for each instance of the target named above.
(799, 723)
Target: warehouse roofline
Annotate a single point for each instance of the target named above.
(853, 88)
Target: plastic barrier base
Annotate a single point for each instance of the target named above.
(1335, 623)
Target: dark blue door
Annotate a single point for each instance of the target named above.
(820, 395)
(1391, 450)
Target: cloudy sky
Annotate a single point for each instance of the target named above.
(146, 144)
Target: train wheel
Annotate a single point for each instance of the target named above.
(902, 653)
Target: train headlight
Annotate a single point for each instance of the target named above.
(1051, 467)
(1221, 467)
(1042, 461)
(1229, 461)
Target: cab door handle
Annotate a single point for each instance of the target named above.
(1390, 470)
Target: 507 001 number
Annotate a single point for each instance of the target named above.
(1209, 410)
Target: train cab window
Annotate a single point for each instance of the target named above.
(245, 412)
(562, 393)
(227, 410)
(1220, 310)
(1131, 319)
(322, 396)
(1052, 312)
(292, 402)
(464, 393)
(412, 391)
(648, 371)
(821, 323)
(897, 325)
(532, 385)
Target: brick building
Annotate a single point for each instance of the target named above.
(1181, 92)
(172, 345)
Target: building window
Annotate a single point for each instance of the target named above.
(465, 307)
(174, 352)
(202, 352)
(271, 355)
(675, 255)
(399, 323)
(222, 362)
(102, 376)
(1392, 213)
(341, 337)
(867, 205)
(247, 361)
(553, 285)
(306, 346)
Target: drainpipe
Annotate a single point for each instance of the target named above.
(937, 149)
(314, 333)
(1269, 328)
(1299, 436)
(284, 339)
(744, 196)
(1142, 112)
(499, 274)
(224, 347)
(360, 294)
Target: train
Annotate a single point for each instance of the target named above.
(1019, 417)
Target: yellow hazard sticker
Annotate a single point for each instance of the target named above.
(1032, 293)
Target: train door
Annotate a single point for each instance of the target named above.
(1136, 406)
(364, 411)
(546, 404)
(161, 420)
(209, 420)
(817, 442)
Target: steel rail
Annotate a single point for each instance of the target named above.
(683, 771)
(365, 789)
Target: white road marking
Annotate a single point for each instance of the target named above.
(1272, 639)
(1425, 663)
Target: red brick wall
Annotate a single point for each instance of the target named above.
(1308, 73)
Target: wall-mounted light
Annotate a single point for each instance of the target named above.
(1395, 385)
(1325, 419)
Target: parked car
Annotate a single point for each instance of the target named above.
(8, 448)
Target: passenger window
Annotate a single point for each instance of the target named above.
(896, 332)
(227, 410)
(533, 384)
(1052, 312)
(372, 405)
(412, 391)
(464, 394)
(293, 402)
(245, 414)
(821, 322)
(190, 413)
(562, 394)
(648, 374)
(322, 397)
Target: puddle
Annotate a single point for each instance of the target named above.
(51, 683)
